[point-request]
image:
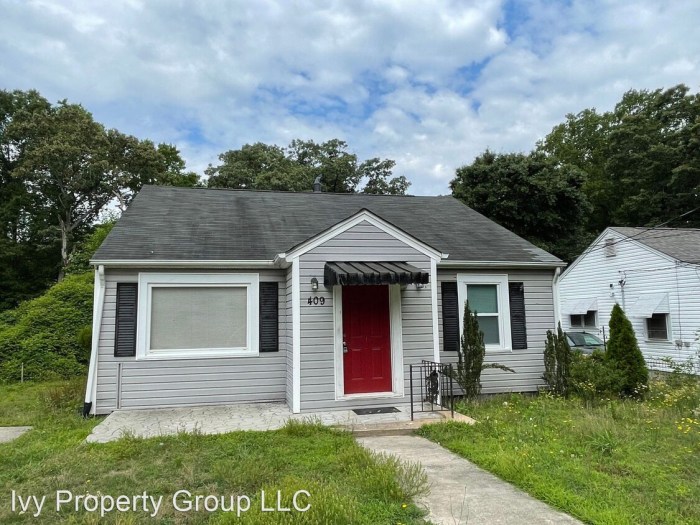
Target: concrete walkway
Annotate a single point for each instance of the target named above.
(8, 434)
(463, 493)
(251, 416)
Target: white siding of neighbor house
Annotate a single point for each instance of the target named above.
(130, 383)
(645, 271)
(362, 242)
(539, 316)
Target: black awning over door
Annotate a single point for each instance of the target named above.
(359, 273)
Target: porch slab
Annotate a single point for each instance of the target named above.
(221, 419)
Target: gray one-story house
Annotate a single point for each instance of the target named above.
(319, 300)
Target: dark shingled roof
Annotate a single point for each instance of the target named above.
(680, 243)
(166, 223)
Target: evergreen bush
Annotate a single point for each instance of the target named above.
(557, 362)
(624, 354)
(470, 356)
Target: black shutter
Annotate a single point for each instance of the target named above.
(269, 323)
(518, 331)
(450, 317)
(125, 327)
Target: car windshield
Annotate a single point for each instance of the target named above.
(584, 339)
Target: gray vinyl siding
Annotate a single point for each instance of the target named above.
(131, 383)
(539, 314)
(363, 242)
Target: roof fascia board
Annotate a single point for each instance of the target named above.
(500, 264)
(354, 220)
(170, 263)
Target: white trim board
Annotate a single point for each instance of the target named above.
(362, 216)
(296, 337)
(396, 335)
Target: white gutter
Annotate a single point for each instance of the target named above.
(555, 297)
(97, 306)
(499, 264)
(193, 263)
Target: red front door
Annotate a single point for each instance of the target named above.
(366, 338)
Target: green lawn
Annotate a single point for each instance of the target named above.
(609, 462)
(347, 484)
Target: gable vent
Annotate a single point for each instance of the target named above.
(610, 248)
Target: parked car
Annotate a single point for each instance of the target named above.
(584, 341)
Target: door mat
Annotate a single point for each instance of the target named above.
(376, 410)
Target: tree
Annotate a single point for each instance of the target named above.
(642, 159)
(623, 352)
(68, 168)
(533, 195)
(295, 168)
(29, 256)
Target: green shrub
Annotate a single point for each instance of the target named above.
(593, 376)
(557, 362)
(623, 351)
(43, 334)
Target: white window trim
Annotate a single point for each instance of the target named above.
(147, 281)
(669, 335)
(397, 370)
(501, 282)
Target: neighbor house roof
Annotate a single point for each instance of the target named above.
(680, 243)
(177, 224)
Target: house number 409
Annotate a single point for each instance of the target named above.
(316, 301)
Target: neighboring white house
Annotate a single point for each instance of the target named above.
(653, 274)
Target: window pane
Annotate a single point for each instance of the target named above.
(198, 317)
(482, 298)
(656, 327)
(589, 320)
(489, 325)
(576, 320)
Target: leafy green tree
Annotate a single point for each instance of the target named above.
(64, 169)
(295, 168)
(642, 159)
(29, 251)
(623, 351)
(533, 195)
(80, 261)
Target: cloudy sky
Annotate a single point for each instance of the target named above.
(428, 84)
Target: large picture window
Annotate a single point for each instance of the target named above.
(488, 297)
(198, 315)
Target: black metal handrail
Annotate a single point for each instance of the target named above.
(434, 387)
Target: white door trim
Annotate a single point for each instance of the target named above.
(296, 337)
(397, 369)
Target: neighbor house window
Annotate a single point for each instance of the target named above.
(587, 320)
(488, 297)
(198, 315)
(657, 327)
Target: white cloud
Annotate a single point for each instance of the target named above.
(429, 84)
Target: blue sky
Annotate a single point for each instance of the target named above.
(428, 84)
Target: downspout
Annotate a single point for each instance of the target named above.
(98, 304)
(555, 297)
